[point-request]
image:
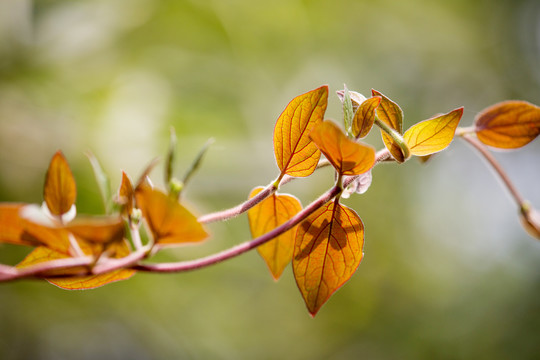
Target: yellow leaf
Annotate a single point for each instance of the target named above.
(295, 154)
(508, 124)
(60, 189)
(365, 117)
(391, 114)
(12, 226)
(169, 222)
(433, 135)
(328, 250)
(347, 156)
(267, 215)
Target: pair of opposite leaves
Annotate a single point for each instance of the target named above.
(326, 248)
(55, 234)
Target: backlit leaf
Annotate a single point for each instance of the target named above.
(94, 229)
(169, 222)
(267, 215)
(508, 124)
(55, 238)
(328, 250)
(60, 189)
(433, 135)
(365, 117)
(347, 156)
(295, 154)
(391, 114)
(12, 225)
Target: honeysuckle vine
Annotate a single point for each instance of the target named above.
(322, 240)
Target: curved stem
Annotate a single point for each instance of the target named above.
(244, 247)
(497, 167)
(126, 261)
(382, 155)
(41, 269)
(397, 137)
(8, 273)
(239, 209)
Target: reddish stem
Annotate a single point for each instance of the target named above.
(244, 247)
(497, 167)
(132, 260)
(239, 209)
(40, 270)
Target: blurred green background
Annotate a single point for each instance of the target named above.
(448, 272)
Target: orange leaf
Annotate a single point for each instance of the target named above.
(433, 135)
(60, 190)
(365, 117)
(328, 250)
(295, 154)
(347, 156)
(508, 124)
(55, 238)
(12, 226)
(391, 114)
(125, 195)
(101, 230)
(267, 215)
(169, 222)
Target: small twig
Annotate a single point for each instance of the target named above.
(382, 155)
(239, 209)
(74, 247)
(520, 201)
(135, 235)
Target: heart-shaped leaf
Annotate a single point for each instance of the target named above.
(347, 157)
(508, 124)
(433, 135)
(60, 189)
(267, 215)
(328, 250)
(295, 154)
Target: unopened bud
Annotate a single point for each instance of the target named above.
(530, 219)
(136, 216)
(175, 187)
